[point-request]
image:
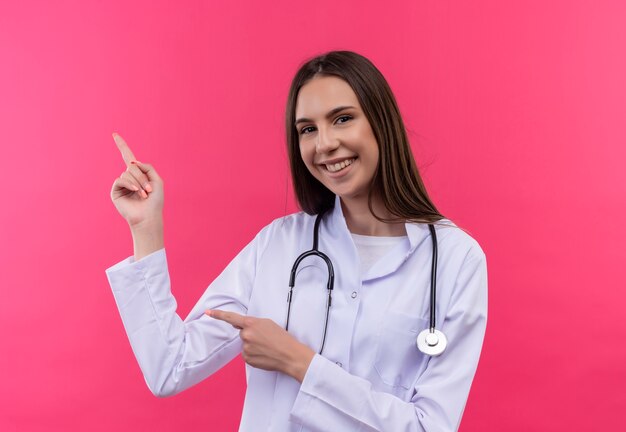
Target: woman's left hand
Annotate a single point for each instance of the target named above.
(267, 345)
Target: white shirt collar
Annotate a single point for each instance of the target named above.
(416, 234)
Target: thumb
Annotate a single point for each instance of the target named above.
(148, 170)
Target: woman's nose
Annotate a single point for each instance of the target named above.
(326, 142)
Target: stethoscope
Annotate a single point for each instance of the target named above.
(430, 341)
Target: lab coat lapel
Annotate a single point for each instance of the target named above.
(389, 263)
(345, 251)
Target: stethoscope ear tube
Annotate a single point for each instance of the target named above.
(329, 285)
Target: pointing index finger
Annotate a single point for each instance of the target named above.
(231, 318)
(127, 155)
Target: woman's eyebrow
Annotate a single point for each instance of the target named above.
(330, 113)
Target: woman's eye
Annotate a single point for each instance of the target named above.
(308, 129)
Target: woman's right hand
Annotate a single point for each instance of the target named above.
(138, 192)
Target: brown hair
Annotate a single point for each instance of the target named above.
(396, 177)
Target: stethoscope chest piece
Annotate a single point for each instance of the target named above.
(431, 342)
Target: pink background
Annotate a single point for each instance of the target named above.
(516, 115)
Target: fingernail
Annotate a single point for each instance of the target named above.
(147, 187)
(208, 312)
(144, 194)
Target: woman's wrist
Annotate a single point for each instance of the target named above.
(299, 362)
(148, 225)
(147, 238)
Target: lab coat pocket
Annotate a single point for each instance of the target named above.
(398, 361)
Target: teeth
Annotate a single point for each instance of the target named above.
(339, 166)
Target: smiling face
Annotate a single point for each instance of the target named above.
(336, 141)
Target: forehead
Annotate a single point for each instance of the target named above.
(322, 94)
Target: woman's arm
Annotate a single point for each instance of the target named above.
(174, 354)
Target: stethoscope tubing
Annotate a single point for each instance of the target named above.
(433, 277)
(329, 285)
(431, 342)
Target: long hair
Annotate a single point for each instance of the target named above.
(396, 178)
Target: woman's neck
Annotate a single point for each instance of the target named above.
(360, 219)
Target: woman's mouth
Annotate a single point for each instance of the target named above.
(335, 168)
(339, 169)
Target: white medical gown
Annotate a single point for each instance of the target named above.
(371, 376)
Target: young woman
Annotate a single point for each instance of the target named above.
(362, 350)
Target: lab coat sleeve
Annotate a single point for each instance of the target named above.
(329, 395)
(174, 354)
